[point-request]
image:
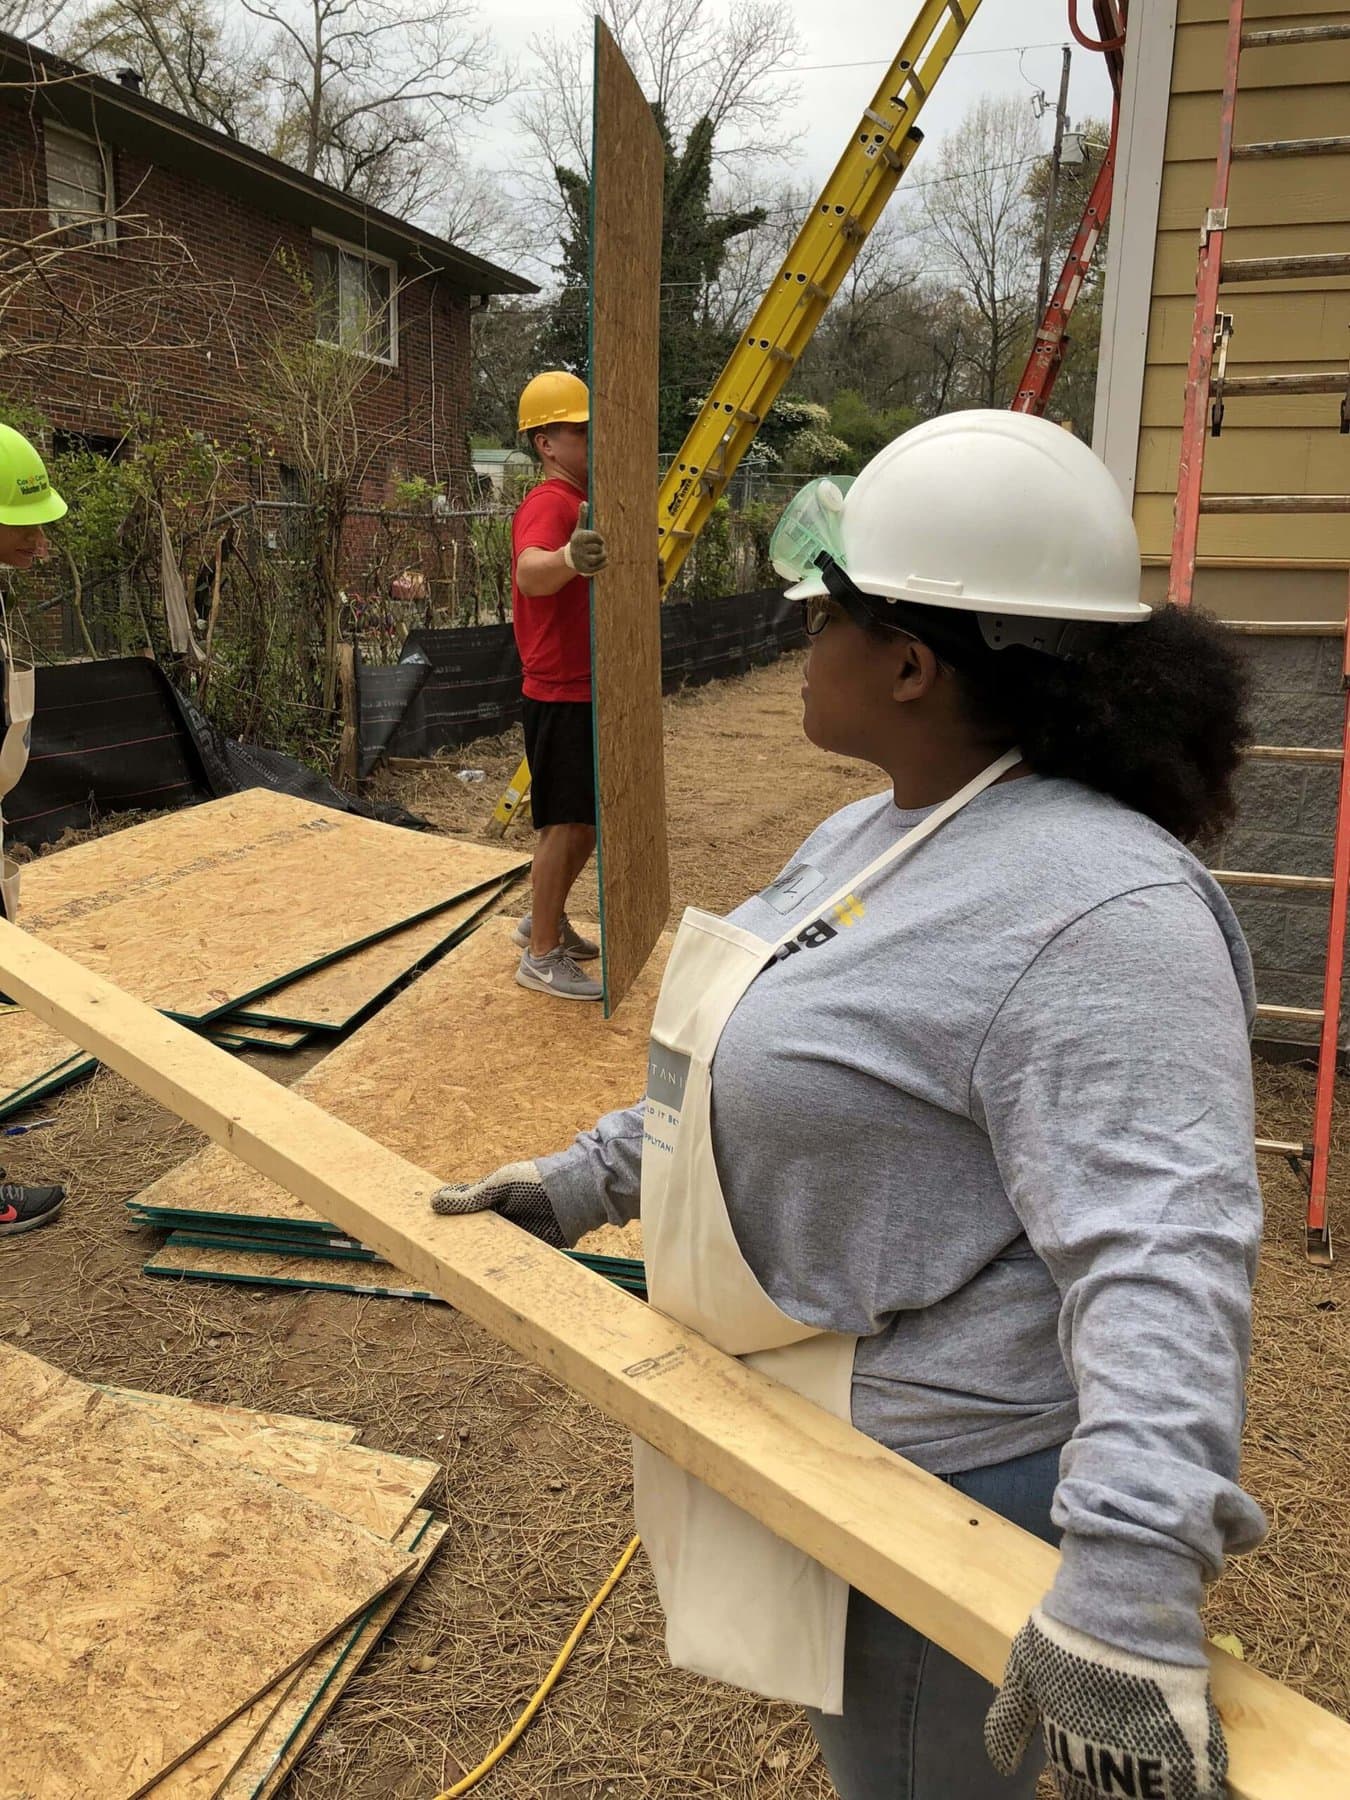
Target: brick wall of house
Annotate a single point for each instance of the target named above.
(214, 317)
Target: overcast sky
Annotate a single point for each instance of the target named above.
(1011, 47)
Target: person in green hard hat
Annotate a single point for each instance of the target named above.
(28, 502)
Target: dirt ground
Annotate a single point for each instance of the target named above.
(536, 1485)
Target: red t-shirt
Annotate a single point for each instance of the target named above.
(553, 631)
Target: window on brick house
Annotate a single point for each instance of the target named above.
(355, 300)
(79, 185)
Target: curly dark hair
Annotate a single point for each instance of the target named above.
(1155, 715)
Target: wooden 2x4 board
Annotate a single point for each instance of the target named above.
(198, 911)
(627, 175)
(954, 1570)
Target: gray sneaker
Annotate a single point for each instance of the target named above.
(580, 949)
(557, 974)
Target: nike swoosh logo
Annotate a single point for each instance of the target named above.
(541, 976)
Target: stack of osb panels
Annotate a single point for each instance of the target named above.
(464, 1071)
(182, 1581)
(202, 912)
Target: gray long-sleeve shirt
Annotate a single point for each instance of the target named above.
(997, 1121)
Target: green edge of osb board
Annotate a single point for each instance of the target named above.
(248, 1014)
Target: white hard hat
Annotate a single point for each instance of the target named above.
(990, 512)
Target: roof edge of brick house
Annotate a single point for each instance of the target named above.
(122, 117)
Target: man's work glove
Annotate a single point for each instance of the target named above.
(585, 550)
(1114, 1724)
(515, 1191)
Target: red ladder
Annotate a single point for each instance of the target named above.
(1052, 335)
(1208, 388)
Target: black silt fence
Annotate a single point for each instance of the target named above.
(466, 684)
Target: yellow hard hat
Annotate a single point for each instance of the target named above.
(27, 497)
(553, 398)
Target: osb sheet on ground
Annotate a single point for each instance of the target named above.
(212, 1764)
(238, 1034)
(464, 1071)
(310, 1699)
(745, 789)
(281, 1268)
(201, 908)
(176, 1409)
(332, 997)
(627, 171)
(153, 1586)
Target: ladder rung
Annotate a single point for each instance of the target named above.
(1311, 1015)
(1287, 268)
(1261, 878)
(1318, 146)
(1330, 381)
(1279, 1147)
(1292, 753)
(1296, 34)
(1318, 628)
(1275, 503)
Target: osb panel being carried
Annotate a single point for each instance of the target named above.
(153, 1587)
(463, 1072)
(202, 909)
(330, 998)
(628, 167)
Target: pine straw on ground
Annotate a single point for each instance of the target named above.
(536, 1485)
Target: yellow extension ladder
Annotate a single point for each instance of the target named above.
(879, 150)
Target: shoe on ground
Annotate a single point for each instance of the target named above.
(558, 975)
(580, 949)
(25, 1208)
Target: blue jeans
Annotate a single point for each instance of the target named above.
(912, 1727)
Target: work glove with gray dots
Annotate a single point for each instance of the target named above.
(1116, 1726)
(515, 1191)
(585, 550)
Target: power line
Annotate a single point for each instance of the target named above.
(871, 62)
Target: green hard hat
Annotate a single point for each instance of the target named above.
(27, 497)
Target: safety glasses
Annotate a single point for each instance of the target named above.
(819, 609)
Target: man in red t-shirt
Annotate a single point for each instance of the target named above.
(553, 555)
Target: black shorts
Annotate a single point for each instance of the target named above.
(560, 747)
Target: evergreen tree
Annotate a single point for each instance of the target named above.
(694, 242)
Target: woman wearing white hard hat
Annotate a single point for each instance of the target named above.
(951, 1127)
(28, 501)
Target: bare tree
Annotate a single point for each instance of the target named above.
(752, 257)
(693, 62)
(35, 19)
(188, 54)
(974, 218)
(361, 83)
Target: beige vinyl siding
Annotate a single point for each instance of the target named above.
(1277, 207)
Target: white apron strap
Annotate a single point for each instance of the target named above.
(911, 840)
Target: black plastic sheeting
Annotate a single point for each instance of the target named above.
(463, 685)
(117, 735)
(107, 736)
(230, 767)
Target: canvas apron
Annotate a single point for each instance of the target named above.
(741, 1605)
(19, 692)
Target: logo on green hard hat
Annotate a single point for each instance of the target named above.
(33, 484)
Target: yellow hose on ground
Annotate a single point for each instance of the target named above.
(550, 1681)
